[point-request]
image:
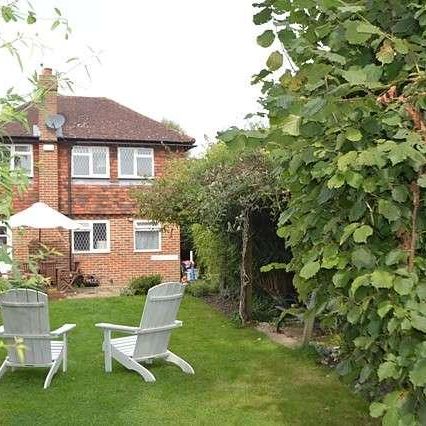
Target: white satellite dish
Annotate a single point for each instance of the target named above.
(55, 121)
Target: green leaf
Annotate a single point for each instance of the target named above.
(400, 193)
(421, 181)
(362, 233)
(341, 278)
(275, 61)
(396, 256)
(336, 181)
(313, 106)
(353, 134)
(403, 286)
(263, 16)
(418, 322)
(389, 210)
(358, 282)
(377, 409)
(54, 25)
(352, 35)
(363, 258)
(401, 46)
(266, 38)
(366, 27)
(382, 279)
(309, 270)
(31, 19)
(291, 125)
(348, 230)
(355, 76)
(354, 179)
(383, 308)
(346, 160)
(418, 373)
(386, 54)
(387, 370)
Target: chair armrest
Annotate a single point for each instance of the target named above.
(62, 330)
(117, 327)
(176, 324)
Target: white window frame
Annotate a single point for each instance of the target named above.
(13, 153)
(138, 225)
(92, 249)
(135, 156)
(91, 175)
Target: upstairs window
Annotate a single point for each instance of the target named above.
(147, 235)
(92, 237)
(136, 163)
(21, 158)
(90, 162)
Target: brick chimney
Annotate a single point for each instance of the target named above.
(48, 147)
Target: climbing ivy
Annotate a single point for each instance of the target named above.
(345, 92)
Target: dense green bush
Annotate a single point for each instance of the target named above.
(202, 288)
(141, 285)
(4, 284)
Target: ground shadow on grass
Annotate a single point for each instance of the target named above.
(241, 377)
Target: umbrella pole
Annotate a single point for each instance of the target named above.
(39, 235)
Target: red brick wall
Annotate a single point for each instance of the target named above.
(123, 263)
(93, 201)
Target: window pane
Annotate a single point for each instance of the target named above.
(144, 151)
(99, 161)
(81, 165)
(3, 230)
(81, 240)
(144, 166)
(126, 161)
(80, 150)
(22, 162)
(100, 236)
(147, 240)
(3, 241)
(22, 148)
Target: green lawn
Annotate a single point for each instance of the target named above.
(241, 378)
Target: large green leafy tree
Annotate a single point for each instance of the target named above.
(221, 192)
(348, 129)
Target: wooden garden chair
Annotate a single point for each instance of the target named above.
(26, 316)
(150, 340)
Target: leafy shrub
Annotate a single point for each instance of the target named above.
(4, 284)
(141, 285)
(202, 288)
(264, 308)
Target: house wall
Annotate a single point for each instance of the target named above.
(116, 268)
(106, 199)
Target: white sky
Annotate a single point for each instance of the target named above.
(189, 61)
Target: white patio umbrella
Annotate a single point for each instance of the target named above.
(41, 216)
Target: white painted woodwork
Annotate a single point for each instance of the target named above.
(26, 316)
(151, 339)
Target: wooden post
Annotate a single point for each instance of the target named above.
(246, 270)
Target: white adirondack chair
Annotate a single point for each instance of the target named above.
(150, 340)
(26, 316)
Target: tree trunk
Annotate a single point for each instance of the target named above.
(246, 270)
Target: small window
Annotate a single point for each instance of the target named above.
(136, 163)
(147, 236)
(90, 161)
(21, 158)
(92, 237)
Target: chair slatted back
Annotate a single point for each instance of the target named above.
(161, 308)
(25, 315)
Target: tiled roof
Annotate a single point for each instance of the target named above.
(103, 119)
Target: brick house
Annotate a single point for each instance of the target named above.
(87, 169)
